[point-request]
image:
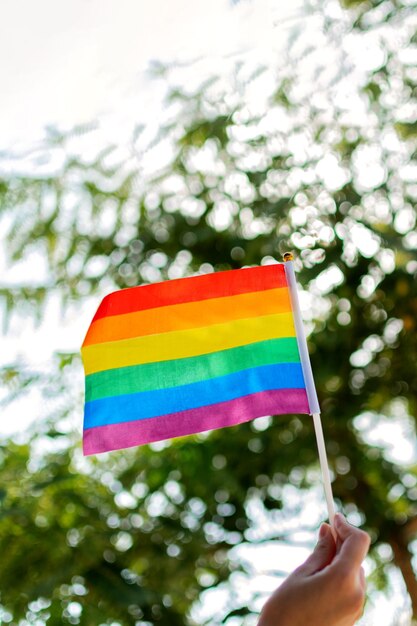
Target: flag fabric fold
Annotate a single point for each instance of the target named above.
(189, 355)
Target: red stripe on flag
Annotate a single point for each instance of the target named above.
(192, 289)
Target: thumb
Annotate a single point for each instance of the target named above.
(323, 553)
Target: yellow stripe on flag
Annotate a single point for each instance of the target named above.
(186, 343)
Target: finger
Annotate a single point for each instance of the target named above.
(362, 579)
(355, 542)
(323, 553)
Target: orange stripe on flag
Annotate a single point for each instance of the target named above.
(188, 315)
(192, 289)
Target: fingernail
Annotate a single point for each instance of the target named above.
(323, 532)
(338, 520)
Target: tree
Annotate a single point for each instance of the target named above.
(331, 180)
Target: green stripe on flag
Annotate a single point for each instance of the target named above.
(167, 374)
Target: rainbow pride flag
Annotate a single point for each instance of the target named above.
(193, 354)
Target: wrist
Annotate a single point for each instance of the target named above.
(271, 617)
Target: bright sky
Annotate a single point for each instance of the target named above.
(71, 62)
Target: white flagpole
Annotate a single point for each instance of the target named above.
(324, 466)
(309, 382)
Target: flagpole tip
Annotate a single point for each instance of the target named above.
(288, 256)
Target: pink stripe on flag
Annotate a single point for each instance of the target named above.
(243, 409)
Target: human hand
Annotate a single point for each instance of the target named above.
(329, 588)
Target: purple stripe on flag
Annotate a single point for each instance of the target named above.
(128, 434)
